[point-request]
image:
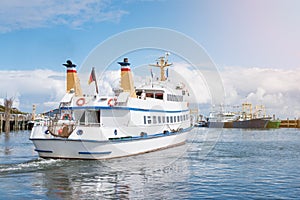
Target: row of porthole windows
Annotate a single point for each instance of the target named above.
(173, 97)
(165, 119)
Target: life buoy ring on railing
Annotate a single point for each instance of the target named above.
(80, 101)
(112, 102)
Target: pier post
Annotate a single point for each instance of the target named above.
(15, 126)
(1, 123)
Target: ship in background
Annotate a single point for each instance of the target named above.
(260, 111)
(221, 118)
(134, 120)
(242, 119)
(247, 119)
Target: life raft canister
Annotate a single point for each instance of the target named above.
(80, 102)
(112, 101)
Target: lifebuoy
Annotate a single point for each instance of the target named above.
(80, 101)
(112, 102)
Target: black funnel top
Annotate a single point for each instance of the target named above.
(69, 64)
(125, 62)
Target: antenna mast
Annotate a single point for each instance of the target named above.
(162, 63)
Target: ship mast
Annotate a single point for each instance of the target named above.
(162, 63)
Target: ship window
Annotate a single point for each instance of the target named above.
(178, 119)
(171, 119)
(159, 95)
(163, 119)
(174, 119)
(159, 119)
(149, 119)
(181, 118)
(184, 117)
(172, 97)
(150, 95)
(154, 120)
(93, 116)
(145, 120)
(80, 114)
(82, 118)
(168, 121)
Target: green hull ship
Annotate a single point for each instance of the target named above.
(273, 124)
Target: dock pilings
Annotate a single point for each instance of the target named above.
(16, 122)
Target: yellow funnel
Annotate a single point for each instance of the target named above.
(127, 83)
(72, 79)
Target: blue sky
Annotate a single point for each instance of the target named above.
(242, 36)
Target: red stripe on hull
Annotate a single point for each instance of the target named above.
(125, 69)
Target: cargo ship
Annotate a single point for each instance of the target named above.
(244, 119)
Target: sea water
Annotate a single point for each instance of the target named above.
(214, 163)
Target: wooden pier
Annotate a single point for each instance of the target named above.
(290, 123)
(17, 122)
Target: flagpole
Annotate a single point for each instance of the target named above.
(96, 85)
(151, 77)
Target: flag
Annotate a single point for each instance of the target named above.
(93, 78)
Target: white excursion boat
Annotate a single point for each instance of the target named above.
(134, 121)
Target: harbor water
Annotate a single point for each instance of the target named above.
(217, 164)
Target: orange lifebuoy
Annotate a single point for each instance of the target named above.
(80, 101)
(110, 103)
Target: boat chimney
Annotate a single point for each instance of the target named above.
(72, 79)
(127, 83)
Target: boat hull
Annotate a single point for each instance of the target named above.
(251, 123)
(273, 124)
(220, 124)
(93, 149)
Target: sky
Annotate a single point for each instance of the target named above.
(254, 44)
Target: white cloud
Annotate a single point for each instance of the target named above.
(277, 89)
(108, 81)
(19, 14)
(193, 80)
(40, 87)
